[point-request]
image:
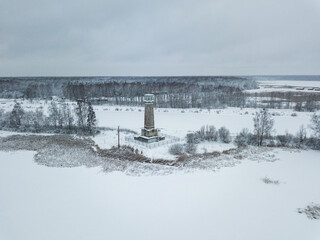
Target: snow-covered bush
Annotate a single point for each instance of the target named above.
(176, 149)
(313, 143)
(312, 211)
(192, 138)
(224, 135)
(206, 133)
(285, 140)
(190, 148)
(243, 138)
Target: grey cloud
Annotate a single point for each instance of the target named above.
(143, 37)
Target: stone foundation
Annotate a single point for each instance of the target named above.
(149, 132)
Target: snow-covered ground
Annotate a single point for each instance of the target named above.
(178, 122)
(221, 202)
(287, 86)
(38, 202)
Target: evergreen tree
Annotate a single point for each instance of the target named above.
(91, 120)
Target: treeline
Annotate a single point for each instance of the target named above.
(299, 101)
(61, 118)
(175, 92)
(193, 97)
(89, 87)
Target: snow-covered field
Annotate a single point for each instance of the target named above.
(178, 122)
(39, 203)
(226, 199)
(287, 86)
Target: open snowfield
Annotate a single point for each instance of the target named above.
(222, 197)
(39, 202)
(177, 123)
(287, 86)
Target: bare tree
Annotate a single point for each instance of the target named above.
(82, 113)
(67, 117)
(53, 113)
(263, 124)
(16, 115)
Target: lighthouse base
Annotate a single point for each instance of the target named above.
(149, 136)
(153, 132)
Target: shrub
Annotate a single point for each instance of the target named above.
(312, 211)
(285, 140)
(243, 138)
(192, 138)
(267, 180)
(190, 148)
(207, 133)
(313, 143)
(224, 135)
(176, 149)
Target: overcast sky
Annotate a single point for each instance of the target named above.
(165, 37)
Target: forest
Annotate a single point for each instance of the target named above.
(175, 92)
(170, 92)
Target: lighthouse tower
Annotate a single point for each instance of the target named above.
(149, 133)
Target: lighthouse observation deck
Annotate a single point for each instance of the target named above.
(148, 98)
